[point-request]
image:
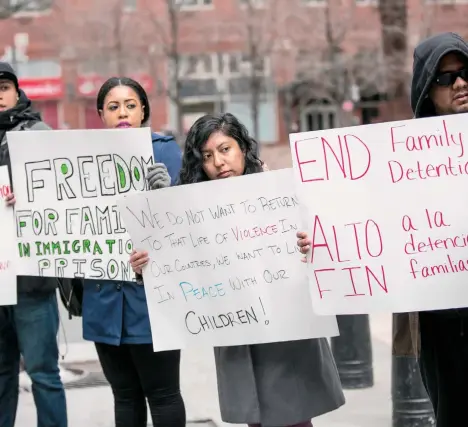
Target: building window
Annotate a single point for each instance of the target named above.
(366, 2)
(252, 3)
(39, 68)
(197, 66)
(239, 64)
(130, 5)
(31, 6)
(315, 2)
(193, 4)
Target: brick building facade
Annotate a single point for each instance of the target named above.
(63, 54)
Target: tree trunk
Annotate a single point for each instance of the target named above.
(394, 26)
(175, 77)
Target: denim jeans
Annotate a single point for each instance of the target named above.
(30, 328)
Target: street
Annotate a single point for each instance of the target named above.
(92, 406)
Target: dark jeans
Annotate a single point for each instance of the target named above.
(136, 375)
(30, 328)
(444, 366)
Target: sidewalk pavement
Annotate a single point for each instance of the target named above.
(93, 406)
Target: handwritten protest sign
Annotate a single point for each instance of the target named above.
(66, 185)
(225, 269)
(7, 244)
(387, 214)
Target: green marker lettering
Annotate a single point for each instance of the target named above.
(56, 248)
(110, 244)
(38, 249)
(97, 249)
(86, 246)
(76, 246)
(122, 177)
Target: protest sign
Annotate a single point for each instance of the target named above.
(224, 266)
(387, 213)
(66, 185)
(7, 244)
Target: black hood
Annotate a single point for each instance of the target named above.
(21, 112)
(427, 56)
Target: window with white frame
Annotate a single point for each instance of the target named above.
(31, 5)
(315, 2)
(197, 66)
(366, 2)
(130, 5)
(193, 4)
(252, 3)
(239, 64)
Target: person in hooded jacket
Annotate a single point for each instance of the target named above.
(29, 328)
(115, 313)
(439, 87)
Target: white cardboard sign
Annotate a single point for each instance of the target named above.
(387, 209)
(67, 184)
(224, 267)
(8, 293)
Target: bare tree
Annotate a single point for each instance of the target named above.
(8, 8)
(328, 71)
(106, 48)
(166, 31)
(394, 26)
(260, 34)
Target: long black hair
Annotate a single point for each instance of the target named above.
(113, 82)
(192, 160)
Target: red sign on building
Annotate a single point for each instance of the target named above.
(88, 86)
(43, 88)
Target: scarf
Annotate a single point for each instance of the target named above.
(21, 112)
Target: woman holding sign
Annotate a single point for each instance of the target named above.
(278, 384)
(115, 314)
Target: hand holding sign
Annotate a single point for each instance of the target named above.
(223, 270)
(386, 232)
(10, 199)
(138, 261)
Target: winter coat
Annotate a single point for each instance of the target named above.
(427, 56)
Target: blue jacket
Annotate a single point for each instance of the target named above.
(115, 312)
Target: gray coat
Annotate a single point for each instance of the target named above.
(278, 384)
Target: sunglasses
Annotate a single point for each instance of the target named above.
(448, 79)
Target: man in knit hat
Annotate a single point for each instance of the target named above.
(29, 328)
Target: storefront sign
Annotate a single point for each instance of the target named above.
(43, 88)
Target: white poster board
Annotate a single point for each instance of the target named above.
(67, 184)
(8, 293)
(387, 213)
(224, 267)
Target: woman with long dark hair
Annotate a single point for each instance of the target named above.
(278, 384)
(115, 314)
